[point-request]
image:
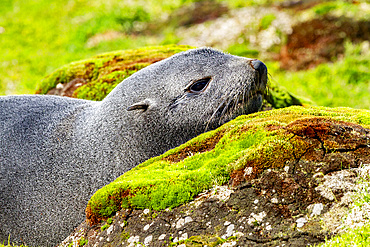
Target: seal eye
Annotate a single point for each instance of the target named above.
(199, 85)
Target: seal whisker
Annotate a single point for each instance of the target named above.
(214, 114)
(227, 108)
(236, 101)
(243, 95)
(223, 100)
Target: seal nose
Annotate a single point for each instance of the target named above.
(260, 67)
(262, 71)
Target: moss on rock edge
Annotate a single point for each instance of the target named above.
(260, 141)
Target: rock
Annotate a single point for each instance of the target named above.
(275, 167)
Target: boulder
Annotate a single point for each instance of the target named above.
(270, 178)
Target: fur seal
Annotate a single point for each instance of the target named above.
(55, 152)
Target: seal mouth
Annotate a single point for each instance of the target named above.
(238, 104)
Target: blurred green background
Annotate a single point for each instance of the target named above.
(315, 49)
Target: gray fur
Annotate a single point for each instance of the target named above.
(55, 152)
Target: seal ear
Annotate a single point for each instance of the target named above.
(142, 105)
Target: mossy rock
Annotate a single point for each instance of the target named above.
(239, 151)
(95, 78)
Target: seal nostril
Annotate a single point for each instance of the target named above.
(259, 66)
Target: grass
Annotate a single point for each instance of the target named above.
(38, 36)
(41, 35)
(359, 237)
(11, 245)
(343, 83)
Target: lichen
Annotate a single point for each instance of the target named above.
(260, 141)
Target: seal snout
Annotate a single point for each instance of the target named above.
(260, 68)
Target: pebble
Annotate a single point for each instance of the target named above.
(133, 239)
(180, 223)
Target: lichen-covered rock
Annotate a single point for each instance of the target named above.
(269, 178)
(95, 78)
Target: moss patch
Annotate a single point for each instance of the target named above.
(100, 74)
(237, 151)
(354, 237)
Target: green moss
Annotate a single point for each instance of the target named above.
(103, 72)
(125, 235)
(354, 237)
(177, 176)
(279, 97)
(104, 227)
(82, 241)
(202, 240)
(109, 221)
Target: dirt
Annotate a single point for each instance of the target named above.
(198, 12)
(321, 40)
(68, 88)
(206, 145)
(298, 5)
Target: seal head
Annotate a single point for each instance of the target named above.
(202, 89)
(56, 152)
